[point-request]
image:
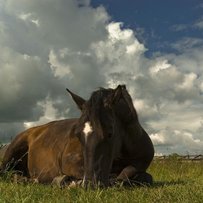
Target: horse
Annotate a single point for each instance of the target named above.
(107, 138)
(134, 148)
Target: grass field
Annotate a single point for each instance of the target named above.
(175, 181)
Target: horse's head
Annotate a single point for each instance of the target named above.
(100, 133)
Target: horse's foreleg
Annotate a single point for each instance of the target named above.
(127, 173)
(130, 175)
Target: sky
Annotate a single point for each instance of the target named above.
(155, 47)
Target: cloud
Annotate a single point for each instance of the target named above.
(187, 43)
(196, 25)
(46, 47)
(199, 23)
(179, 27)
(21, 78)
(172, 140)
(50, 114)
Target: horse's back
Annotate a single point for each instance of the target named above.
(51, 133)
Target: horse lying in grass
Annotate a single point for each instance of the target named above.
(106, 139)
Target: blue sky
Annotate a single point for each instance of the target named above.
(158, 22)
(155, 47)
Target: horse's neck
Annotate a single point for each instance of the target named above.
(134, 130)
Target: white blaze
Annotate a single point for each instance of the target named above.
(87, 129)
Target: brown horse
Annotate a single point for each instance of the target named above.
(107, 138)
(130, 150)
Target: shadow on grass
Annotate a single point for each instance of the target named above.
(155, 184)
(168, 183)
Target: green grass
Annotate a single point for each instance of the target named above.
(175, 181)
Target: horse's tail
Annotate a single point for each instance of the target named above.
(15, 156)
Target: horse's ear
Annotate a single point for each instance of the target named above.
(117, 94)
(77, 99)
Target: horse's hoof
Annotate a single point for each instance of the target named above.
(60, 181)
(142, 179)
(66, 181)
(75, 184)
(34, 180)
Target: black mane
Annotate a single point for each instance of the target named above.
(96, 103)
